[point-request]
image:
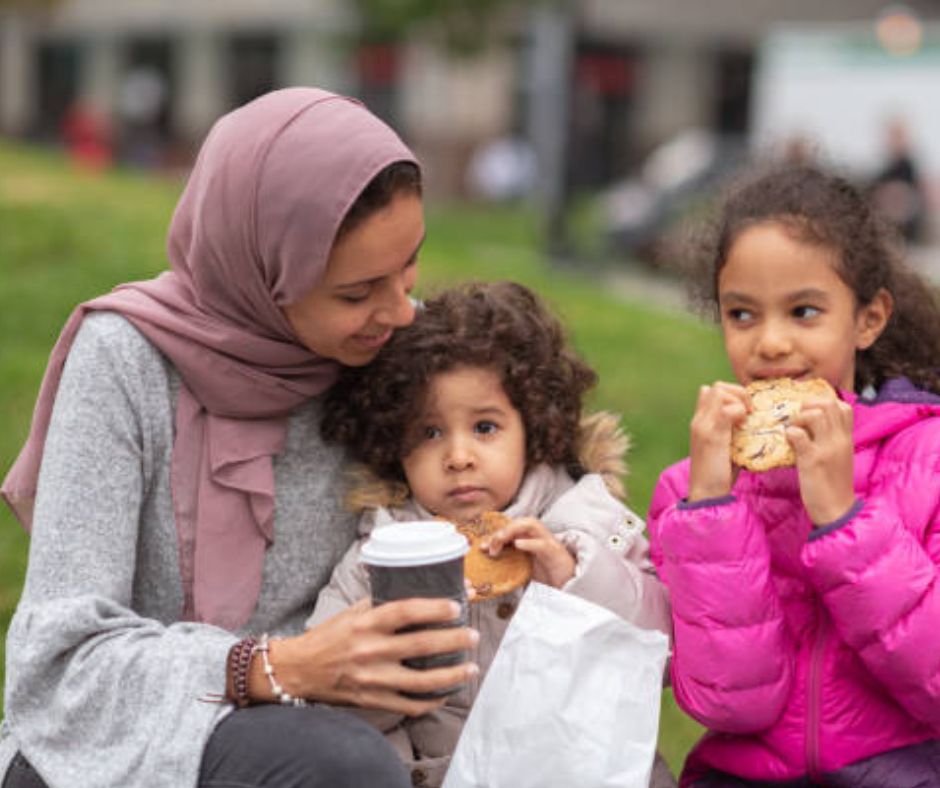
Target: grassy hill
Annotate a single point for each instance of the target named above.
(66, 236)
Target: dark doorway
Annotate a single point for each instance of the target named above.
(59, 69)
(733, 91)
(602, 113)
(378, 64)
(145, 106)
(253, 64)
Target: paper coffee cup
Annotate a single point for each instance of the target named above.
(422, 558)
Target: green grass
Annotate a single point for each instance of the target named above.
(66, 236)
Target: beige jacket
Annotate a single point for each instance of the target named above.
(587, 516)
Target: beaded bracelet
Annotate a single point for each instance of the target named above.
(239, 664)
(283, 697)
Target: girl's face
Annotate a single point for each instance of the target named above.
(363, 295)
(470, 448)
(785, 312)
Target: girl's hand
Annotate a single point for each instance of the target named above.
(355, 658)
(551, 562)
(821, 436)
(719, 407)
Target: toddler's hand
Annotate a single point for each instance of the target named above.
(719, 407)
(821, 436)
(551, 562)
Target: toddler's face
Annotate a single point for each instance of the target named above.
(470, 451)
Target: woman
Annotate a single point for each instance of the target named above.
(181, 488)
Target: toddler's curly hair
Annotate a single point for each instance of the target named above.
(501, 326)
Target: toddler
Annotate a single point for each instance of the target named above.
(475, 407)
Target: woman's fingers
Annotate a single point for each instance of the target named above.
(376, 676)
(383, 688)
(426, 642)
(411, 680)
(393, 616)
(361, 649)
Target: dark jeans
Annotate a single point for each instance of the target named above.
(282, 747)
(916, 766)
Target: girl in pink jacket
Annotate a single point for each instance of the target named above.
(806, 600)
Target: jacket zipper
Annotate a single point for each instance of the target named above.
(814, 691)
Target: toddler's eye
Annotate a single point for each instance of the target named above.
(739, 315)
(430, 433)
(486, 427)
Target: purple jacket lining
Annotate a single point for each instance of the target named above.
(822, 530)
(902, 390)
(704, 502)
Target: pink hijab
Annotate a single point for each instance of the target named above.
(252, 232)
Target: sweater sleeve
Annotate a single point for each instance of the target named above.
(612, 555)
(732, 665)
(879, 577)
(98, 694)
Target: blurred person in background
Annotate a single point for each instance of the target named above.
(87, 137)
(897, 189)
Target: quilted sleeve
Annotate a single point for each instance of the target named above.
(733, 662)
(879, 577)
(613, 567)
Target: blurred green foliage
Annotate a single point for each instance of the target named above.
(69, 235)
(27, 5)
(463, 26)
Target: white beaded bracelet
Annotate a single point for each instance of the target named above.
(283, 697)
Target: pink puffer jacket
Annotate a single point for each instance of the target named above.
(803, 651)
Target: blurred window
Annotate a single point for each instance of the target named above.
(378, 65)
(254, 66)
(602, 113)
(149, 81)
(59, 69)
(733, 91)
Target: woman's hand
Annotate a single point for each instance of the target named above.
(719, 407)
(551, 562)
(355, 658)
(821, 436)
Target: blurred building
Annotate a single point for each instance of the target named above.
(158, 72)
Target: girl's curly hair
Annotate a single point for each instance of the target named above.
(824, 209)
(501, 326)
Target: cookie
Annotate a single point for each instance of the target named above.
(492, 577)
(760, 443)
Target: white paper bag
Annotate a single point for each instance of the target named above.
(571, 700)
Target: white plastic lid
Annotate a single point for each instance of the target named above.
(414, 543)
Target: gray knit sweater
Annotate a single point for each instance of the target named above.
(103, 683)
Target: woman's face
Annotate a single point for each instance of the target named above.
(363, 295)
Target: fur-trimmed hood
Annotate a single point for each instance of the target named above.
(601, 446)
